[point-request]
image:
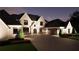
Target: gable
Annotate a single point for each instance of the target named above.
(69, 25)
(41, 19)
(25, 17)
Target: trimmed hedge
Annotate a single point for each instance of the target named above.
(71, 36)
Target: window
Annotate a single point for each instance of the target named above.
(15, 31)
(41, 23)
(25, 22)
(69, 31)
(34, 25)
(34, 31)
(25, 29)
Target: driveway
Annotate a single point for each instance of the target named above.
(51, 43)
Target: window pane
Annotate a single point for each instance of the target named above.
(41, 23)
(15, 31)
(25, 22)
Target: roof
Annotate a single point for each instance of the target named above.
(9, 19)
(14, 18)
(55, 23)
(34, 17)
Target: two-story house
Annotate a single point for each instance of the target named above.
(30, 24)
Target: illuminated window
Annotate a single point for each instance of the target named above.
(41, 23)
(25, 22)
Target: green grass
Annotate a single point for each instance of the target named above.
(18, 47)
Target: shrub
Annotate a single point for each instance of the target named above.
(21, 34)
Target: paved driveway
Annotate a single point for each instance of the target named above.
(51, 43)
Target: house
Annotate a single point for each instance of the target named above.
(11, 24)
(55, 26)
(30, 24)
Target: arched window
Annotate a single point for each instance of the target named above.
(35, 31)
(25, 22)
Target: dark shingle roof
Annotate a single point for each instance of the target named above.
(34, 17)
(14, 18)
(9, 19)
(55, 23)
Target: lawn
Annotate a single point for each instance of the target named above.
(18, 47)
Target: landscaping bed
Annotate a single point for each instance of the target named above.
(16, 45)
(13, 41)
(70, 36)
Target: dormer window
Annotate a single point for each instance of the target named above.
(41, 23)
(25, 22)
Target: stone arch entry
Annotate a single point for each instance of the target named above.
(34, 31)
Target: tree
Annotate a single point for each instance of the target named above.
(74, 19)
(73, 31)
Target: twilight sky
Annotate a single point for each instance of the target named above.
(48, 13)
